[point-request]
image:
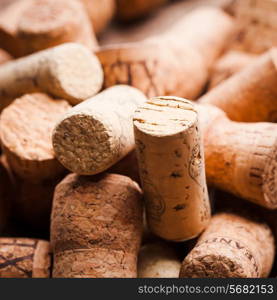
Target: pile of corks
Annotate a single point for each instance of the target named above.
(142, 158)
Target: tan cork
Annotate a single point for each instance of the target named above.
(240, 157)
(250, 95)
(93, 218)
(231, 246)
(4, 57)
(26, 132)
(171, 162)
(97, 133)
(41, 24)
(24, 258)
(229, 64)
(128, 10)
(69, 71)
(174, 63)
(100, 12)
(158, 260)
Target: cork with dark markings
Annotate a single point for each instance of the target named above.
(69, 71)
(26, 128)
(171, 162)
(24, 258)
(96, 227)
(240, 157)
(97, 133)
(231, 246)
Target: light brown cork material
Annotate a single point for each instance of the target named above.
(4, 57)
(171, 162)
(100, 12)
(158, 260)
(232, 246)
(24, 258)
(96, 227)
(174, 63)
(128, 10)
(97, 133)
(240, 157)
(250, 95)
(33, 25)
(26, 132)
(69, 71)
(229, 64)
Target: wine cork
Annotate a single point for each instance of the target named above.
(128, 10)
(249, 96)
(26, 131)
(69, 71)
(96, 227)
(157, 66)
(228, 65)
(158, 260)
(100, 12)
(172, 171)
(231, 246)
(39, 24)
(240, 157)
(24, 258)
(97, 133)
(4, 57)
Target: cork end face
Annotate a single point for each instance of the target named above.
(83, 144)
(165, 116)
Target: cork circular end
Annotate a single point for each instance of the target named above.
(83, 144)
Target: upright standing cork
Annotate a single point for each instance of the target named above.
(24, 258)
(240, 157)
(158, 260)
(231, 246)
(96, 227)
(69, 71)
(250, 95)
(171, 162)
(158, 66)
(26, 131)
(97, 133)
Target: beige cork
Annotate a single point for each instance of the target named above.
(26, 131)
(240, 157)
(158, 260)
(174, 63)
(24, 258)
(97, 133)
(171, 162)
(100, 12)
(128, 10)
(229, 64)
(4, 57)
(69, 71)
(232, 246)
(250, 95)
(96, 227)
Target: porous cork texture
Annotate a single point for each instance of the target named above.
(240, 157)
(240, 96)
(26, 131)
(97, 133)
(171, 162)
(232, 246)
(69, 71)
(158, 260)
(96, 227)
(24, 258)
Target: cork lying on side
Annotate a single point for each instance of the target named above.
(69, 71)
(97, 133)
(250, 95)
(26, 131)
(171, 162)
(96, 227)
(232, 246)
(24, 258)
